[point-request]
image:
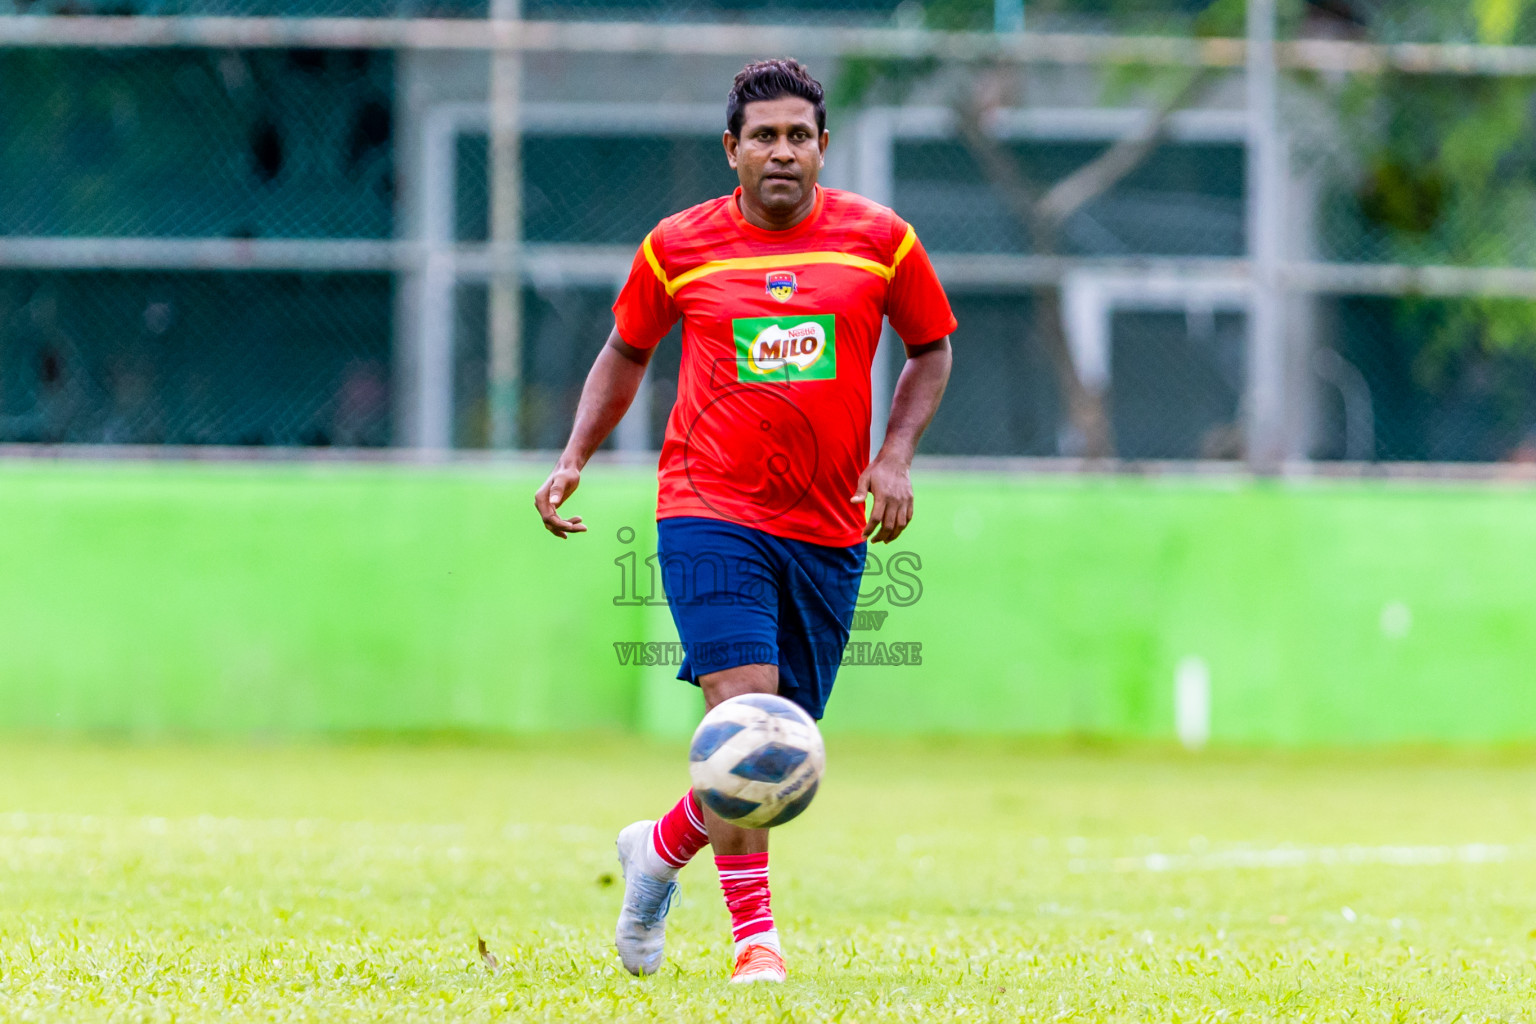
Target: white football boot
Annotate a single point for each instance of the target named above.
(642, 933)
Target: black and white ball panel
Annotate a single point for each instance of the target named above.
(756, 760)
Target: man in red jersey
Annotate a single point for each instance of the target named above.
(765, 470)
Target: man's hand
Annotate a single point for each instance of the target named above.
(605, 397)
(889, 476)
(890, 481)
(562, 483)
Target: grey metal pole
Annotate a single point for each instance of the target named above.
(1265, 400)
(875, 178)
(505, 343)
(633, 433)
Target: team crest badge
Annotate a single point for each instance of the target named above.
(781, 284)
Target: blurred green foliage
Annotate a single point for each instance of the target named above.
(862, 80)
(1442, 168)
(1448, 176)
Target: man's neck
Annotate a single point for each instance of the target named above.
(759, 217)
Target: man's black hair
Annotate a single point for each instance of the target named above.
(772, 80)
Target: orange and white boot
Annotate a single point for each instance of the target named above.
(758, 962)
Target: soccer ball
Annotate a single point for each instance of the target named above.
(756, 760)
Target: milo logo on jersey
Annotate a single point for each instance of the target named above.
(802, 347)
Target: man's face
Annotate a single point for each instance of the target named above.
(779, 152)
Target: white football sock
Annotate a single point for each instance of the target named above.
(768, 938)
(651, 862)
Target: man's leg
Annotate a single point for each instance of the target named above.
(729, 602)
(650, 855)
(731, 840)
(650, 885)
(741, 854)
(652, 852)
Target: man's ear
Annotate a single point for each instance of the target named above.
(730, 142)
(826, 137)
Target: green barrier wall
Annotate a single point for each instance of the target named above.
(279, 599)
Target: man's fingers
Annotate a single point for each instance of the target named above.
(898, 513)
(560, 485)
(546, 499)
(560, 527)
(876, 515)
(862, 490)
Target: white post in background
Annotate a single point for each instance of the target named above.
(874, 174)
(432, 378)
(506, 287)
(1192, 703)
(1265, 400)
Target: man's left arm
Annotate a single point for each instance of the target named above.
(919, 311)
(889, 476)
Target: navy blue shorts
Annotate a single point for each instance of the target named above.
(740, 596)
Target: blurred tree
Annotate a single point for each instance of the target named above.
(1444, 166)
(1041, 208)
(1446, 174)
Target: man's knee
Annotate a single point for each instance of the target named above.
(733, 682)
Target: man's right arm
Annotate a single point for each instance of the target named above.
(611, 386)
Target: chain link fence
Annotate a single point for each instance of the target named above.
(237, 246)
(191, 143)
(194, 358)
(1387, 21)
(1185, 200)
(1100, 15)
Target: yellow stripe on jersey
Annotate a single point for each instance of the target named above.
(793, 259)
(650, 257)
(905, 247)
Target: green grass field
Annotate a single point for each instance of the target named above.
(929, 882)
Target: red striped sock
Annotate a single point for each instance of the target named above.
(680, 833)
(744, 878)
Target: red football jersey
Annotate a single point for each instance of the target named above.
(771, 425)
